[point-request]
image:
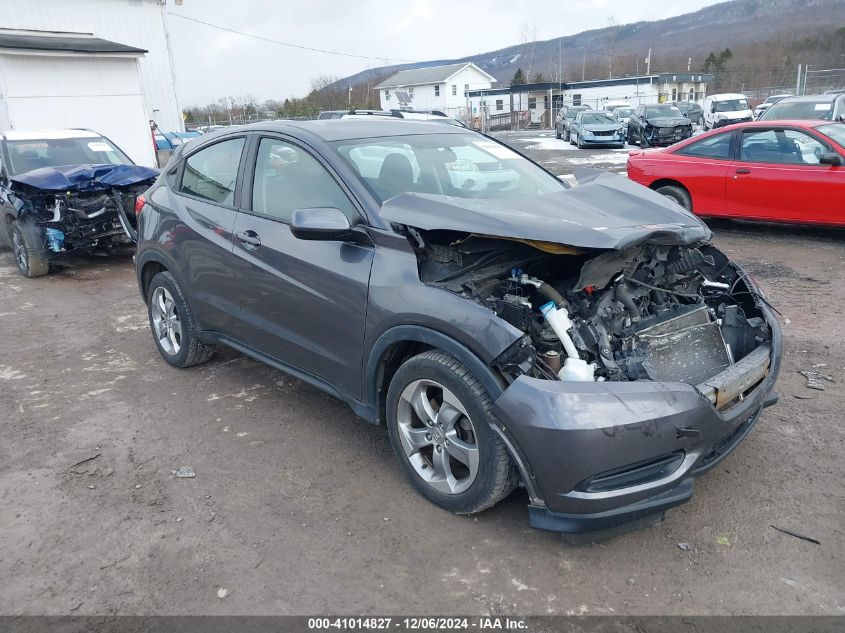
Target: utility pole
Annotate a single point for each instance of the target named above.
(648, 63)
(689, 64)
(798, 81)
(583, 65)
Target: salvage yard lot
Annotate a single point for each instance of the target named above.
(297, 507)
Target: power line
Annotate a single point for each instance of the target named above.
(279, 42)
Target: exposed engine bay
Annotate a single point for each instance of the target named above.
(82, 220)
(649, 312)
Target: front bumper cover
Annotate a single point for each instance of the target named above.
(601, 454)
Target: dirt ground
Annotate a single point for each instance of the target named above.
(298, 507)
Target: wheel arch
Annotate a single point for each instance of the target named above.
(402, 342)
(151, 263)
(671, 182)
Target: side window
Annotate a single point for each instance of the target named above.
(783, 147)
(211, 172)
(288, 178)
(718, 146)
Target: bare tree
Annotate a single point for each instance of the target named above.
(528, 37)
(612, 31)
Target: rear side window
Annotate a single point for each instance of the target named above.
(718, 146)
(211, 173)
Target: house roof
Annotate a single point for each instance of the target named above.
(427, 75)
(63, 42)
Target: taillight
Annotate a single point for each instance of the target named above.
(140, 201)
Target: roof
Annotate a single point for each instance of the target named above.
(63, 43)
(427, 75)
(724, 96)
(828, 96)
(545, 86)
(41, 135)
(347, 129)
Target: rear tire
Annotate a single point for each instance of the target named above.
(440, 427)
(678, 194)
(27, 241)
(172, 323)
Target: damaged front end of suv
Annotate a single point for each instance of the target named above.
(642, 353)
(52, 212)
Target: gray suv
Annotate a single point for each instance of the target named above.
(587, 343)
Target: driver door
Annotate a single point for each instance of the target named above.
(778, 177)
(302, 302)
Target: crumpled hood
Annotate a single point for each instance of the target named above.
(668, 121)
(85, 177)
(607, 211)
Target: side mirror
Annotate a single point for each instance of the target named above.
(830, 158)
(324, 223)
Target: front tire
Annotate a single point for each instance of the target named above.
(172, 323)
(440, 427)
(678, 194)
(27, 241)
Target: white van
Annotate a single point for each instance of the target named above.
(725, 109)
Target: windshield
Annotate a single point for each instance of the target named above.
(571, 113)
(731, 105)
(623, 113)
(659, 111)
(27, 155)
(834, 131)
(799, 110)
(460, 165)
(597, 119)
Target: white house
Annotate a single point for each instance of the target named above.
(112, 73)
(433, 88)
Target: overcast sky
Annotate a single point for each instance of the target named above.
(211, 63)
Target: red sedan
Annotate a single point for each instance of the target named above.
(777, 171)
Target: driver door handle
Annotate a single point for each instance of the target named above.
(249, 239)
(743, 170)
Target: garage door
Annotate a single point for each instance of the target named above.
(87, 91)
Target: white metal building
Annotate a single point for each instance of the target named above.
(111, 79)
(433, 88)
(539, 102)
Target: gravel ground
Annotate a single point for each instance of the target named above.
(297, 507)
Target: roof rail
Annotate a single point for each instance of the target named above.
(392, 113)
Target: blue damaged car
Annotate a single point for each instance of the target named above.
(65, 191)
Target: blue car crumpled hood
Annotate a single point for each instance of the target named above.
(85, 177)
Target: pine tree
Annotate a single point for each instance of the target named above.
(538, 78)
(518, 78)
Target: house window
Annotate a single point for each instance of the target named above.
(466, 89)
(576, 99)
(546, 101)
(674, 94)
(500, 104)
(691, 94)
(387, 95)
(454, 90)
(532, 103)
(436, 91)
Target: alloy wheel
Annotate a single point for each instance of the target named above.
(167, 325)
(437, 436)
(20, 252)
